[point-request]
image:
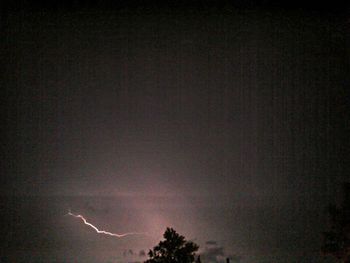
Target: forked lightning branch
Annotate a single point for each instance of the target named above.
(103, 232)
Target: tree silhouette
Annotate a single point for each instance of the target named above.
(174, 249)
(337, 239)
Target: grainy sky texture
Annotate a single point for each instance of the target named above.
(228, 122)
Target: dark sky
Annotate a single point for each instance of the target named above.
(228, 122)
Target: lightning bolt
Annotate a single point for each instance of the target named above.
(103, 232)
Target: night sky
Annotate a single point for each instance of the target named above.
(228, 122)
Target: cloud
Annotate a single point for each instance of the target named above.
(128, 252)
(213, 253)
(235, 258)
(88, 206)
(211, 242)
(142, 253)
